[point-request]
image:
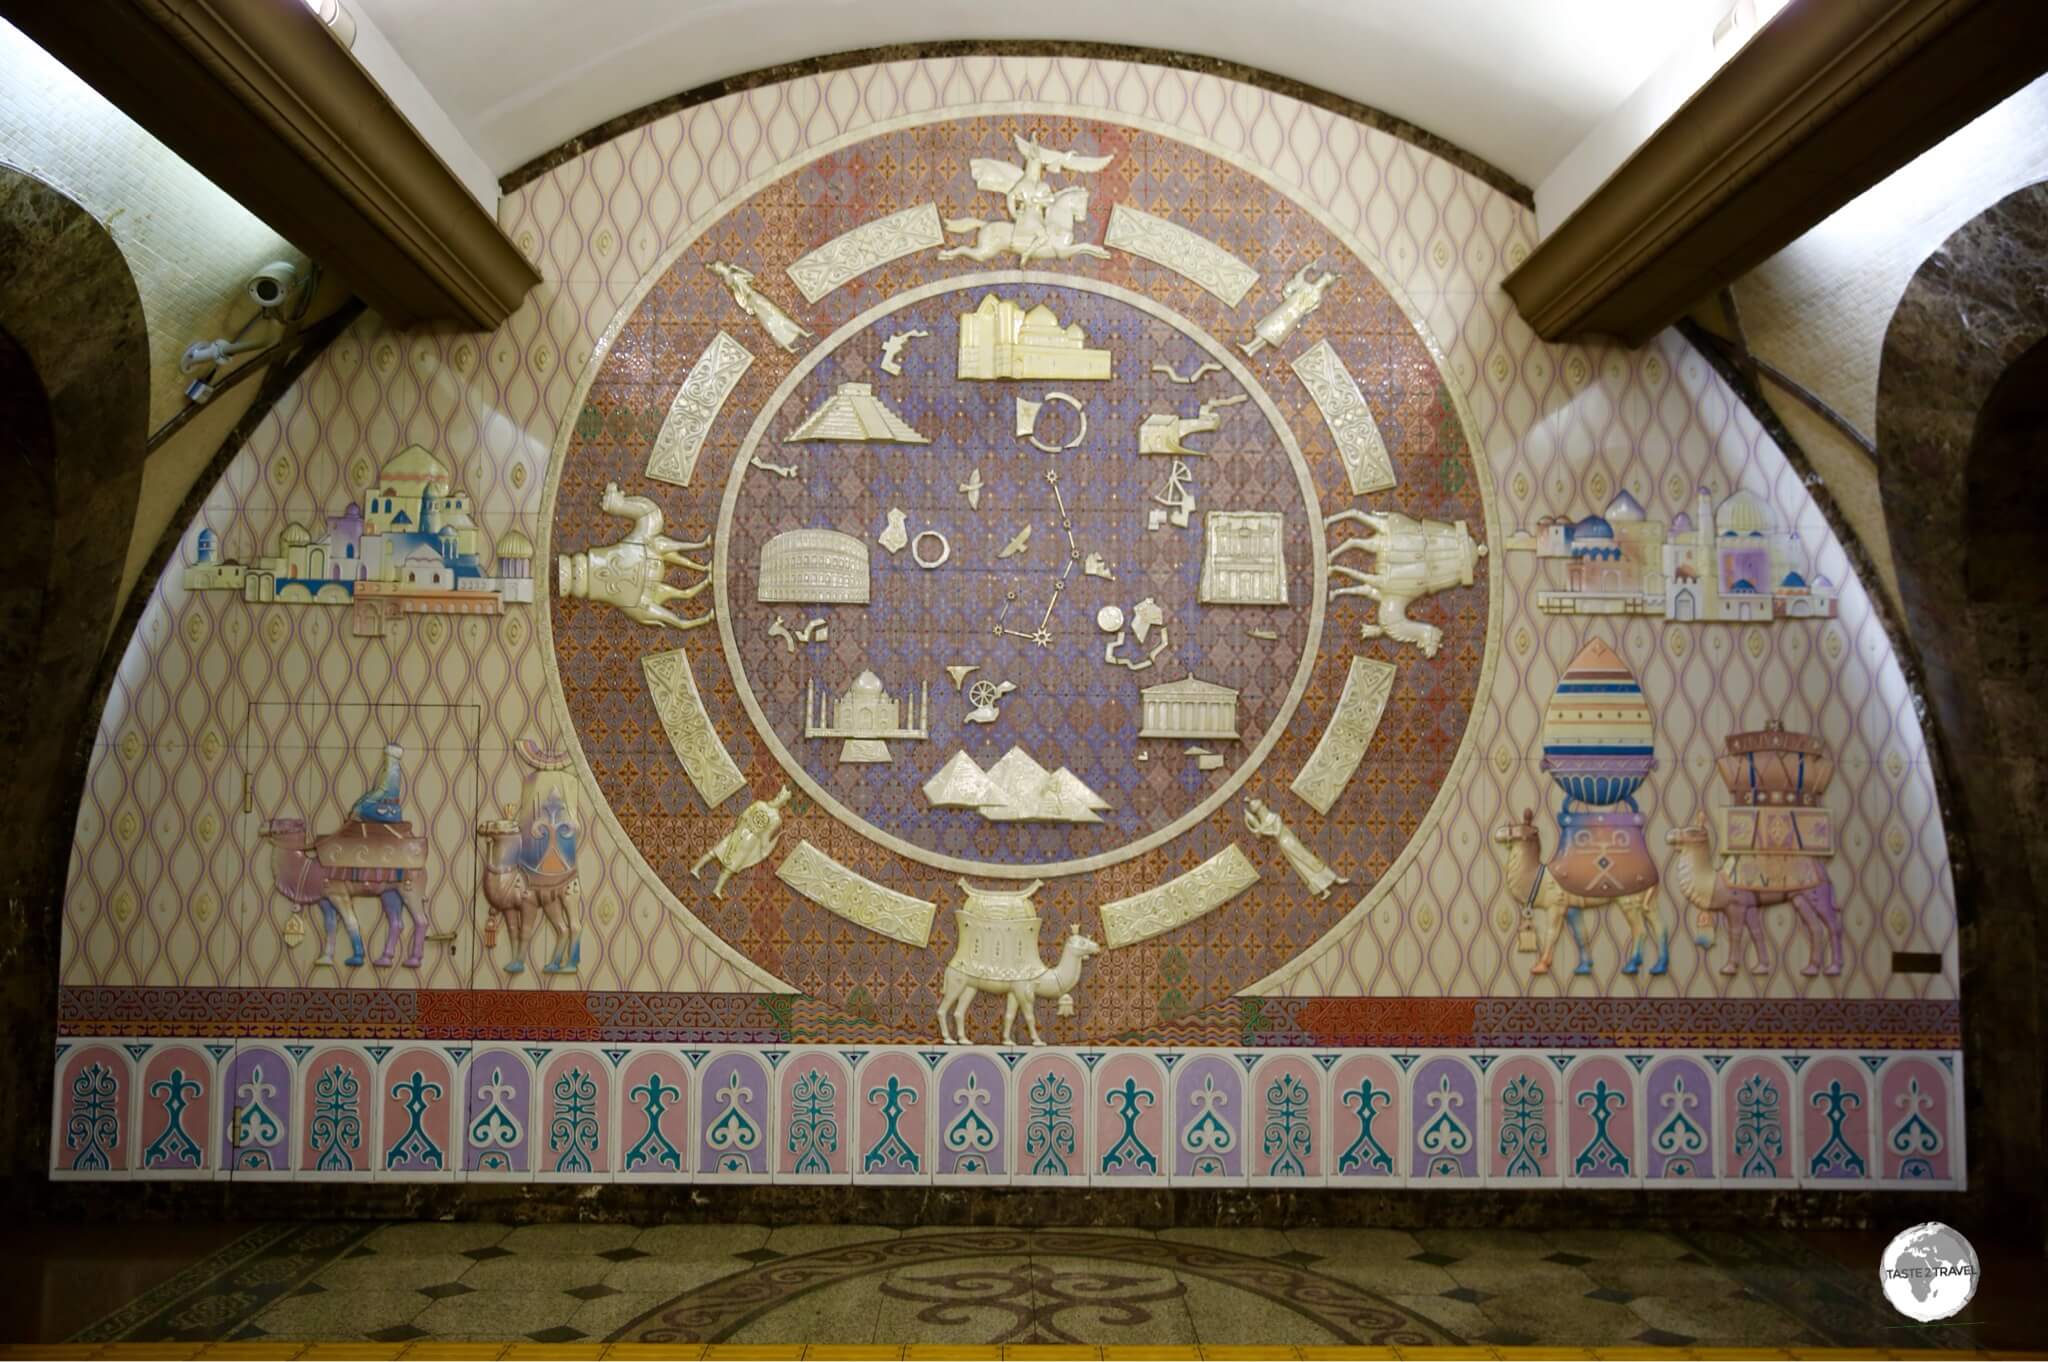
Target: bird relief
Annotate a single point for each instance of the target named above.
(1042, 219)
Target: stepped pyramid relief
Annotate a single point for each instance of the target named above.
(855, 413)
(1014, 790)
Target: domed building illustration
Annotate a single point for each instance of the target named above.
(410, 545)
(1727, 564)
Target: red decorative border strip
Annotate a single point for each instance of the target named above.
(774, 1019)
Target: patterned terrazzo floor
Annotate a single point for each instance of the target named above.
(589, 1288)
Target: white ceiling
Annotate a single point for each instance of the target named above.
(1517, 82)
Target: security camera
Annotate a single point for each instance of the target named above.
(273, 284)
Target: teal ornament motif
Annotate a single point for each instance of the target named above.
(175, 1148)
(414, 1145)
(1049, 1131)
(1365, 1151)
(1678, 1137)
(1759, 1135)
(496, 1130)
(893, 1098)
(734, 1135)
(1286, 1140)
(94, 1126)
(572, 1129)
(1524, 1131)
(813, 1128)
(337, 1128)
(969, 1134)
(1601, 1152)
(1836, 1158)
(654, 1149)
(1129, 1151)
(1911, 1137)
(1207, 1136)
(1445, 1138)
(255, 1129)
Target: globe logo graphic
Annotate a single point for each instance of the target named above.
(1929, 1272)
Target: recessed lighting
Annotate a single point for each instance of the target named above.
(339, 21)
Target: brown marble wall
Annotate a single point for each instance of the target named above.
(1962, 398)
(74, 411)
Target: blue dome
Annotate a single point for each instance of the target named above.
(1592, 527)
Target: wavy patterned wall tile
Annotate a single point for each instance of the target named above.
(158, 894)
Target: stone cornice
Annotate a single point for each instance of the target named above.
(258, 97)
(1829, 98)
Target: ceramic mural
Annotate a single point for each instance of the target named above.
(1040, 684)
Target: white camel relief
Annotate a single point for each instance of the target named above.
(630, 574)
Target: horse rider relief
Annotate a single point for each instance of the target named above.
(1042, 218)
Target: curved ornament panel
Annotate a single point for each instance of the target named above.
(1053, 571)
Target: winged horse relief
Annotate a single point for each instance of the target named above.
(1041, 218)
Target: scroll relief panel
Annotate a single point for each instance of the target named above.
(1072, 618)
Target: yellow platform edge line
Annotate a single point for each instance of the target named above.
(429, 1351)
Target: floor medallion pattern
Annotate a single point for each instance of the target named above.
(1034, 1286)
(413, 1287)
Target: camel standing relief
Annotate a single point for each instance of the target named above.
(530, 870)
(1543, 894)
(373, 854)
(1775, 841)
(1597, 750)
(998, 953)
(631, 574)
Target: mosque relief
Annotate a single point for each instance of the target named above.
(1725, 562)
(1013, 561)
(408, 544)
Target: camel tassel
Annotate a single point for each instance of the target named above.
(490, 931)
(1066, 1004)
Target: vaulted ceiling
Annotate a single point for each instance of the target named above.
(1518, 84)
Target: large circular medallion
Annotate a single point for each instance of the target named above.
(1052, 579)
(1000, 657)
